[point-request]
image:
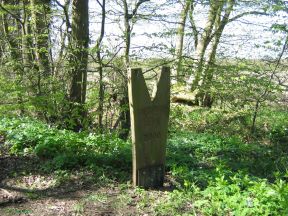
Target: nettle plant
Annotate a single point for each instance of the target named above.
(62, 148)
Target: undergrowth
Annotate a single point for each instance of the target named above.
(64, 149)
(216, 165)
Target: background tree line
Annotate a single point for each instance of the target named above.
(66, 61)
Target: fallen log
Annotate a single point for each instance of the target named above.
(186, 99)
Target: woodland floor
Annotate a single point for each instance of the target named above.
(26, 190)
(213, 168)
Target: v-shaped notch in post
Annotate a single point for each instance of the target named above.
(139, 90)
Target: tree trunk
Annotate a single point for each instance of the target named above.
(124, 101)
(180, 39)
(13, 47)
(26, 55)
(100, 62)
(203, 44)
(25, 48)
(78, 62)
(193, 25)
(207, 99)
(41, 23)
(124, 116)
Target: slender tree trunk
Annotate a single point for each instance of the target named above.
(193, 25)
(255, 113)
(25, 48)
(40, 25)
(203, 44)
(100, 62)
(78, 61)
(124, 101)
(65, 36)
(12, 44)
(220, 24)
(13, 47)
(262, 97)
(26, 56)
(180, 38)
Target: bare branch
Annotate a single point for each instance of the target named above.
(100, 4)
(193, 25)
(134, 12)
(64, 7)
(247, 13)
(12, 14)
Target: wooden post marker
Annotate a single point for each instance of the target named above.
(149, 125)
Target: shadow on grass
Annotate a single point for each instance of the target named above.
(193, 157)
(92, 173)
(199, 157)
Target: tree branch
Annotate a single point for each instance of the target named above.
(247, 13)
(193, 25)
(136, 8)
(100, 4)
(64, 7)
(13, 15)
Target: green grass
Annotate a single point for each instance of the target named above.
(224, 176)
(64, 149)
(271, 123)
(216, 165)
(19, 212)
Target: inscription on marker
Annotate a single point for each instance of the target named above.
(149, 124)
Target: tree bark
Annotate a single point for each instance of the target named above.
(40, 25)
(203, 44)
(124, 101)
(220, 24)
(193, 25)
(180, 39)
(100, 62)
(79, 61)
(25, 48)
(13, 47)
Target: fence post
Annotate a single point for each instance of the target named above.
(149, 125)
